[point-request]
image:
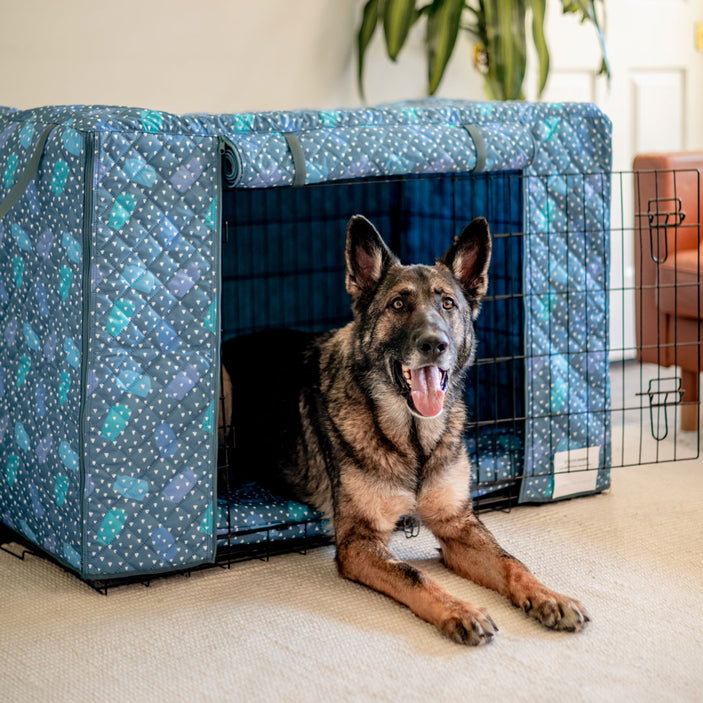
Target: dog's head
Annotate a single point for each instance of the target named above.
(416, 322)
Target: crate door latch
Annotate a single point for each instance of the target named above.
(662, 214)
(662, 393)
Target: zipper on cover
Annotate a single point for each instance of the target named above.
(86, 326)
(222, 143)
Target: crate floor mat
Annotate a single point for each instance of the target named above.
(252, 514)
(112, 273)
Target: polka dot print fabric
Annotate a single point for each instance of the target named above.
(109, 302)
(151, 383)
(41, 299)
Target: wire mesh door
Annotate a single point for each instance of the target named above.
(582, 335)
(656, 352)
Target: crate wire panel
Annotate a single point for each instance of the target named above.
(287, 244)
(648, 397)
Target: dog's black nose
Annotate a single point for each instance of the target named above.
(432, 344)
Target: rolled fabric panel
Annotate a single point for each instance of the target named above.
(231, 165)
(368, 151)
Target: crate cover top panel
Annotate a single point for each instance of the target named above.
(109, 297)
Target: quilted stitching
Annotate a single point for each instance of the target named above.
(567, 250)
(41, 262)
(153, 353)
(150, 380)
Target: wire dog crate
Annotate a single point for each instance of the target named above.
(287, 245)
(132, 242)
(623, 413)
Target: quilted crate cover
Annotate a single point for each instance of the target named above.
(109, 290)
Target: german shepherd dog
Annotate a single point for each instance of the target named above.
(366, 423)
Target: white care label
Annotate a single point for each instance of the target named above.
(575, 471)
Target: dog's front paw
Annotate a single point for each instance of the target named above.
(470, 627)
(557, 612)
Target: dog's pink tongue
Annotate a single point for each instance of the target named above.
(427, 393)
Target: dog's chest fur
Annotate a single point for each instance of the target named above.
(361, 444)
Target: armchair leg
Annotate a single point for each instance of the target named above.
(690, 409)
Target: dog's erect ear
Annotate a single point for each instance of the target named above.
(468, 258)
(367, 256)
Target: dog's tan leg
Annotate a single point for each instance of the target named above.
(362, 556)
(469, 549)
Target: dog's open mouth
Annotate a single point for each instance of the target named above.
(424, 388)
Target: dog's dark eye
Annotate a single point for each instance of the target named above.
(397, 304)
(448, 303)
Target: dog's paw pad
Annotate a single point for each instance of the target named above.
(470, 629)
(557, 612)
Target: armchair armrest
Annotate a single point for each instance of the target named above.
(667, 199)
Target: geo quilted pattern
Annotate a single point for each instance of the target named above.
(41, 302)
(153, 359)
(253, 515)
(567, 250)
(106, 457)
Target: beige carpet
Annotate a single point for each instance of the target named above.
(292, 630)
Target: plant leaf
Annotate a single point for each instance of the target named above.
(506, 46)
(587, 8)
(398, 17)
(575, 6)
(443, 24)
(538, 11)
(369, 21)
(493, 90)
(605, 65)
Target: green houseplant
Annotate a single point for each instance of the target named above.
(498, 27)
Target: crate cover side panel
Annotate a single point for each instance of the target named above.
(41, 302)
(566, 274)
(153, 356)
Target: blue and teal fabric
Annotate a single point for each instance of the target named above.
(253, 515)
(41, 289)
(110, 288)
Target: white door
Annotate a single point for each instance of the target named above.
(655, 101)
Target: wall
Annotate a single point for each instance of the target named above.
(204, 55)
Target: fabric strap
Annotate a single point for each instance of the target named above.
(15, 193)
(479, 143)
(298, 158)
